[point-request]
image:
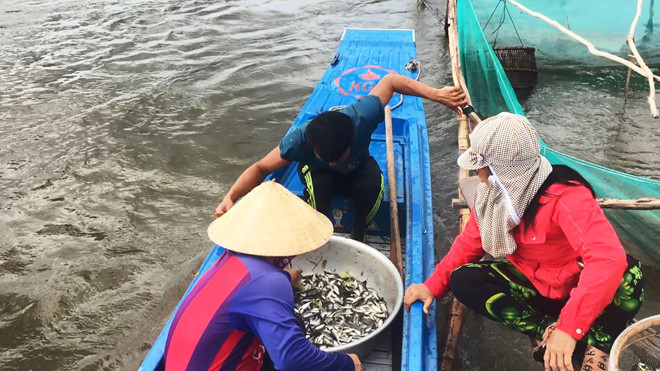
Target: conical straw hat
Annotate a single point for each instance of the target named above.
(271, 221)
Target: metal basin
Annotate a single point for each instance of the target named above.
(364, 263)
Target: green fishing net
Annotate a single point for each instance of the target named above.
(491, 93)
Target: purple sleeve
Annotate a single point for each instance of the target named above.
(265, 307)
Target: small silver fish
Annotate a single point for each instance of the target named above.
(337, 309)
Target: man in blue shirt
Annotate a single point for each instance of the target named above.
(333, 152)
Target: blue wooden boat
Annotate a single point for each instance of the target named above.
(363, 58)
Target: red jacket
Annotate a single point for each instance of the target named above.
(569, 230)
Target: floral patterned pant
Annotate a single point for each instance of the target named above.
(498, 290)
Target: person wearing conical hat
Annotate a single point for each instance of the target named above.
(559, 273)
(242, 309)
(332, 151)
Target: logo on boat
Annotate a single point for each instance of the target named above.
(359, 81)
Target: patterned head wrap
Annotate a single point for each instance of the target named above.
(510, 147)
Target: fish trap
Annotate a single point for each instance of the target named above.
(637, 348)
(519, 63)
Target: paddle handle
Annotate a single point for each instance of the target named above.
(395, 243)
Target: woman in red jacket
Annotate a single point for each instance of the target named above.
(558, 271)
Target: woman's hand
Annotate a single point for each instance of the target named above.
(418, 292)
(559, 351)
(356, 362)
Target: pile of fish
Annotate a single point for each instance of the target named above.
(337, 309)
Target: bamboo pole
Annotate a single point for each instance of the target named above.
(648, 203)
(644, 72)
(649, 75)
(625, 98)
(649, 23)
(456, 315)
(454, 54)
(446, 25)
(456, 74)
(395, 241)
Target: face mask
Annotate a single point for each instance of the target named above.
(495, 181)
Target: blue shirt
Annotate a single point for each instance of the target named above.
(366, 114)
(241, 305)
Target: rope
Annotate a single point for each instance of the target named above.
(491, 15)
(505, 11)
(434, 11)
(514, 25)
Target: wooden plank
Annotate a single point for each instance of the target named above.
(380, 358)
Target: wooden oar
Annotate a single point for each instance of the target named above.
(395, 240)
(395, 243)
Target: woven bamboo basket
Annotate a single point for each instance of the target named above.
(637, 348)
(519, 63)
